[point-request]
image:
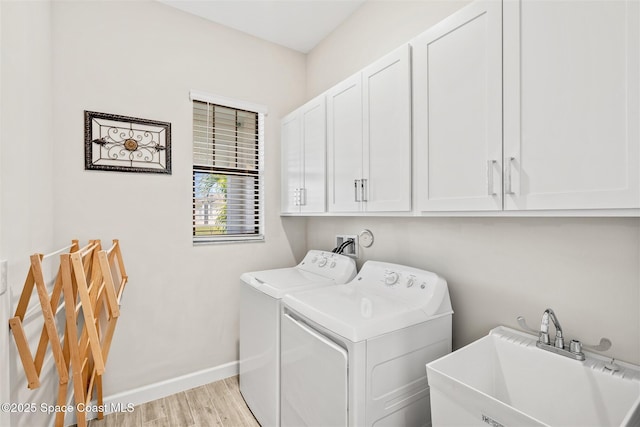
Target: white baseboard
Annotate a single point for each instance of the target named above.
(124, 400)
(174, 385)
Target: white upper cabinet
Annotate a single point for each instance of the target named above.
(303, 135)
(457, 116)
(291, 150)
(571, 94)
(536, 110)
(314, 142)
(386, 87)
(369, 138)
(344, 145)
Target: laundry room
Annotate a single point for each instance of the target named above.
(448, 144)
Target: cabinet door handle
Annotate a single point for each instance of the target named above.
(365, 190)
(296, 197)
(490, 165)
(356, 187)
(508, 181)
(303, 196)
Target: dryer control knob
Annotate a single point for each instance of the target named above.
(391, 278)
(333, 264)
(411, 280)
(322, 262)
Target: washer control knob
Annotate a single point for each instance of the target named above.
(411, 280)
(333, 264)
(390, 277)
(322, 262)
(314, 259)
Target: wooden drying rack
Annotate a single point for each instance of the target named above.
(91, 282)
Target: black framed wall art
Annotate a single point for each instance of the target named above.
(126, 144)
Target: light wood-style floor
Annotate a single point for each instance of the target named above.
(215, 404)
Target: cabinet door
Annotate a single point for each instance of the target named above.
(457, 98)
(387, 133)
(314, 125)
(344, 145)
(571, 85)
(291, 154)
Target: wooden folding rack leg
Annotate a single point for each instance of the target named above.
(74, 270)
(49, 333)
(110, 262)
(98, 298)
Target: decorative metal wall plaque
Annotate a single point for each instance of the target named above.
(126, 144)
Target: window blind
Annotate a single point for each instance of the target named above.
(227, 173)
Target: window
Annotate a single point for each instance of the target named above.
(227, 170)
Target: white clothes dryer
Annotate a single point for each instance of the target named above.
(355, 354)
(261, 293)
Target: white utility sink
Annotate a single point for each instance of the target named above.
(503, 379)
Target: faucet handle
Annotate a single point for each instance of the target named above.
(575, 347)
(559, 341)
(603, 345)
(523, 324)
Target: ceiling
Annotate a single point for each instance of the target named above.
(296, 24)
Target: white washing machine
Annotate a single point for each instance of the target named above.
(261, 293)
(354, 354)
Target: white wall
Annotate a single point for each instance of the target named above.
(500, 268)
(587, 270)
(27, 135)
(26, 188)
(141, 59)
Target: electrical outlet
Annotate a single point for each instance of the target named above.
(349, 250)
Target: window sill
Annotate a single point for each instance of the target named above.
(230, 239)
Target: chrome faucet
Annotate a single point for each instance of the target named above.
(544, 329)
(574, 350)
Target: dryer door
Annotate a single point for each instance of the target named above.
(314, 378)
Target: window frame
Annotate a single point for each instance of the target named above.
(261, 112)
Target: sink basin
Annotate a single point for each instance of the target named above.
(503, 379)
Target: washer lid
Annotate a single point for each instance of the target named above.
(354, 312)
(276, 283)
